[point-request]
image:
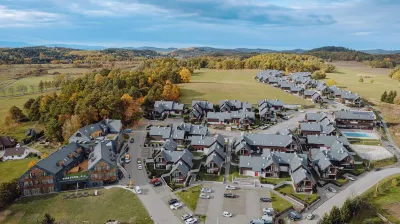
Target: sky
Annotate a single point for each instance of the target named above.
(270, 24)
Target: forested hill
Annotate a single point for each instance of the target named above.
(45, 55)
(332, 53)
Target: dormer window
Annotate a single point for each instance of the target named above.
(78, 134)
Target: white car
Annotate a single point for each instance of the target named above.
(175, 206)
(310, 216)
(268, 211)
(226, 214)
(191, 221)
(205, 196)
(186, 216)
(301, 111)
(138, 190)
(205, 190)
(230, 187)
(139, 167)
(351, 178)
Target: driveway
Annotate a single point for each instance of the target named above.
(357, 188)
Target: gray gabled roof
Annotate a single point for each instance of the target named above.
(161, 106)
(170, 145)
(15, 151)
(275, 103)
(309, 92)
(315, 96)
(205, 105)
(338, 151)
(216, 158)
(256, 163)
(208, 140)
(347, 95)
(220, 116)
(321, 86)
(320, 159)
(336, 91)
(192, 129)
(310, 127)
(182, 167)
(326, 140)
(61, 155)
(302, 174)
(178, 134)
(315, 116)
(236, 103)
(355, 115)
(164, 132)
(101, 152)
(266, 140)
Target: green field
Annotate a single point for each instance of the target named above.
(190, 196)
(347, 77)
(112, 204)
(288, 189)
(279, 204)
(10, 170)
(216, 85)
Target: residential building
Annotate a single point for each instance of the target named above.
(255, 143)
(323, 89)
(158, 133)
(164, 108)
(7, 142)
(276, 104)
(317, 98)
(336, 92)
(318, 141)
(328, 161)
(102, 166)
(315, 117)
(355, 119)
(234, 105)
(242, 118)
(181, 168)
(266, 110)
(200, 109)
(307, 94)
(191, 129)
(296, 90)
(15, 153)
(349, 98)
(215, 159)
(204, 143)
(274, 164)
(316, 128)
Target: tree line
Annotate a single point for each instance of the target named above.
(395, 73)
(390, 97)
(112, 94)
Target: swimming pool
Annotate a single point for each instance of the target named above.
(359, 135)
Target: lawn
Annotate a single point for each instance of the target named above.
(18, 132)
(190, 196)
(346, 77)
(10, 170)
(383, 162)
(365, 142)
(216, 85)
(7, 102)
(364, 214)
(112, 204)
(341, 180)
(274, 181)
(288, 189)
(279, 204)
(358, 169)
(218, 178)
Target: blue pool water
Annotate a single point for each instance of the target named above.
(357, 134)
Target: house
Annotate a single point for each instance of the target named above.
(191, 130)
(200, 109)
(276, 104)
(296, 90)
(267, 111)
(274, 164)
(349, 98)
(108, 129)
(215, 159)
(262, 76)
(324, 90)
(315, 117)
(316, 128)
(204, 143)
(234, 105)
(102, 166)
(328, 161)
(15, 153)
(7, 142)
(336, 92)
(255, 143)
(164, 108)
(158, 133)
(243, 118)
(285, 85)
(318, 141)
(317, 98)
(307, 94)
(354, 119)
(180, 170)
(165, 158)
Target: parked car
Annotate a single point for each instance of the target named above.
(265, 200)
(268, 211)
(331, 189)
(205, 196)
(138, 190)
(157, 183)
(148, 127)
(351, 178)
(139, 167)
(229, 195)
(152, 181)
(186, 216)
(191, 221)
(131, 141)
(301, 111)
(377, 169)
(127, 158)
(173, 201)
(310, 216)
(293, 215)
(230, 187)
(226, 214)
(139, 160)
(205, 190)
(175, 206)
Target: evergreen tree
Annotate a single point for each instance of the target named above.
(384, 96)
(325, 219)
(41, 86)
(345, 211)
(48, 219)
(334, 216)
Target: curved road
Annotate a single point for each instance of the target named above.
(355, 189)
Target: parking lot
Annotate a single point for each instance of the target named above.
(245, 207)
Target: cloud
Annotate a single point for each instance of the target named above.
(361, 33)
(26, 18)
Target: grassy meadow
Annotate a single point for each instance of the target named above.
(216, 85)
(10, 170)
(111, 204)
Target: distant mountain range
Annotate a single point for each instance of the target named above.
(185, 52)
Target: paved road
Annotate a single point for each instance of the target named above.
(159, 211)
(356, 189)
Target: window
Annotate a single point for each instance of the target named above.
(27, 192)
(50, 189)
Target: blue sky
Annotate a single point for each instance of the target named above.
(274, 24)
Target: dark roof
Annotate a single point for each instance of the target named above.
(15, 151)
(205, 105)
(51, 163)
(265, 140)
(355, 115)
(102, 152)
(161, 106)
(6, 141)
(326, 140)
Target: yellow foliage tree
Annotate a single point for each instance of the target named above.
(185, 75)
(150, 80)
(126, 98)
(171, 91)
(44, 155)
(394, 182)
(31, 164)
(98, 79)
(330, 82)
(71, 126)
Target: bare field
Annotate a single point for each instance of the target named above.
(216, 85)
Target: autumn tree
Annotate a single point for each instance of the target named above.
(171, 91)
(31, 164)
(16, 114)
(371, 81)
(132, 111)
(53, 130)
(361, 79)
(70, 126)
(185, 75)
(330, 82)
